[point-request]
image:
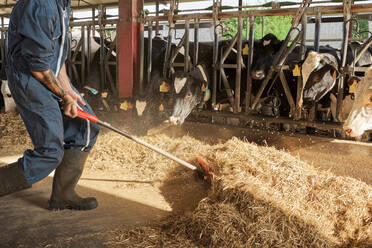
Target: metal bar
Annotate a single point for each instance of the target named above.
(89, 48)
(83, 62)
(187, 45)
(142, 60)
(249, 64)
(340, 94)
(228, 50)
(356, 8)
(93, 21)
(196, 41)
(102, 49)
(287, 92)
(263, 26)
(268, 119)
(317, 31)
(300, 83)
(175, 53)
(215, 52)
(168, 50)
(239, 61)
(227, 87)
(149, 52)
(157, 22)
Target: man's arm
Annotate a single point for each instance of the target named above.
(49, 79)
(65, 83)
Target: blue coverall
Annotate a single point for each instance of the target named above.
(38, 41)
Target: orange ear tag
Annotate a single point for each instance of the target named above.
(334, 75)
(352, 87)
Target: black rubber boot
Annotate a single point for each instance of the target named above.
(12, 179)
(65, 179)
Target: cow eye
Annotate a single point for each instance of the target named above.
(370, 98)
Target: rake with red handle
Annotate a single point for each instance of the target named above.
(203, 172)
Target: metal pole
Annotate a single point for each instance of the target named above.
(89, 48)
(300, 83)
(149, 52)
(170, 38)
(142, 58)
(82, 57)
(249, 64)
(102, 49)
(347, 19)
(263, 26)
(318, 19)
(239, 65)
(157, 22)
(215, 52)
(196, 41)
(93, 21)
(187, 45)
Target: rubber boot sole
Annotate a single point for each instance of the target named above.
(87, 204)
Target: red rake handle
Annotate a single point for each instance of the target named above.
(87, 116)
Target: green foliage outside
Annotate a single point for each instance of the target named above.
(363, 26)
(277, 25)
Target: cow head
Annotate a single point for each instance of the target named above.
(263, 56)
(319, 73)
(360, 117)
(188, 94)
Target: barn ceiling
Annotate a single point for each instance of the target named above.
(6, 5)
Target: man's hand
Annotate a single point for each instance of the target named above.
(69, 106)
(76, 97)
(62, 88)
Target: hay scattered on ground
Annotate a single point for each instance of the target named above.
(12, 131)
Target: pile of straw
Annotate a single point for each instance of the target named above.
(262, 197)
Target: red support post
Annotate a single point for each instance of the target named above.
(129, 33)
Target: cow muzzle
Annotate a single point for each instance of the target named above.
(258, 75)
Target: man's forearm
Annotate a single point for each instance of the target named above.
(49, 80)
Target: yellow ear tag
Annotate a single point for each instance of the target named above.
(296, 71)
(164, 87)
(352, 87)
(203, 88)
(245, 49)
(124, 106)
(104, 94)
(161, 107)
(334, 75)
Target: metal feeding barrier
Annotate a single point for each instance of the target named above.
(242, 110)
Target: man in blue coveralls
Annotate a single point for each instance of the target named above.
(47, 102)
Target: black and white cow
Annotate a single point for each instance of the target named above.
(189, 91)
(360, 117)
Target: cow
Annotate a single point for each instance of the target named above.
(360, 117)
(9, 103)
(189, 91)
